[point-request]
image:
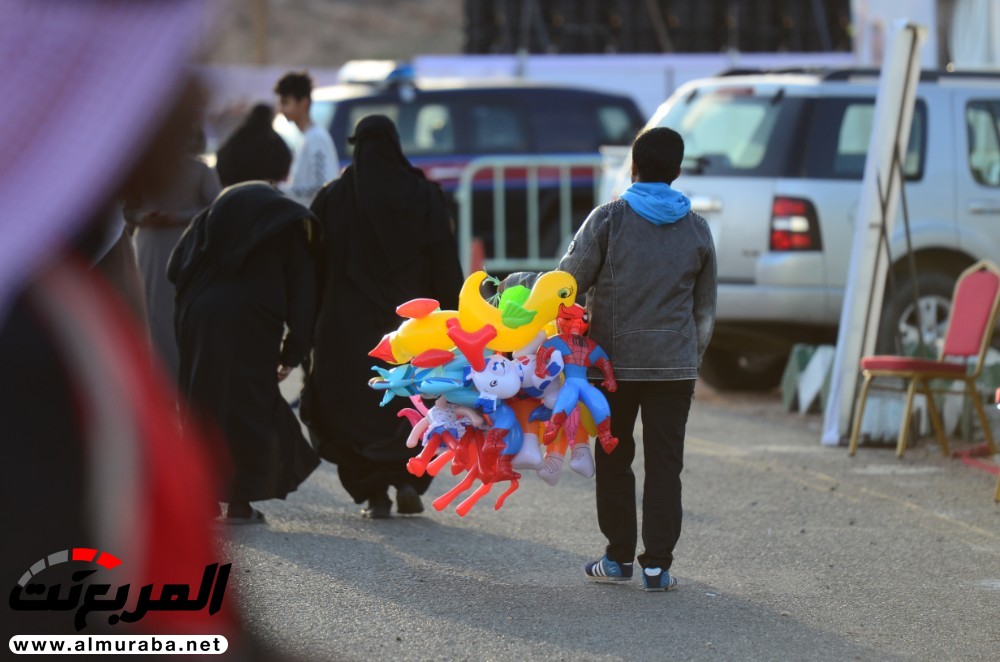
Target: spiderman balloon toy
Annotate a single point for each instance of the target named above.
(578, 353)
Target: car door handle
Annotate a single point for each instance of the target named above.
(705, 203)
(984, 207)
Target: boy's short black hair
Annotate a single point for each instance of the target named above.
(657, 154)
(296, 84)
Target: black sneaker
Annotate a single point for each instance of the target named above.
(378, 508)
(408, 501)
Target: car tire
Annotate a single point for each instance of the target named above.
(728, 370)
(935, 289)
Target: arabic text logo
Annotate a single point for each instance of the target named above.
(31, 595)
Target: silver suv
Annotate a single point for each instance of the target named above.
(774, 161)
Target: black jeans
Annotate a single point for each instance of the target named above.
(664, 407)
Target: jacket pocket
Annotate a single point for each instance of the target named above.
(662, 349)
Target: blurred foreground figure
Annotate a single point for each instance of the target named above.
(244, 271)
(387, 239)
(160, 219)
(92, 457)
(115, 258)
(254, 151)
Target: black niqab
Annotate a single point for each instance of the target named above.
(387, 238)
(390, 192)
(391, 210)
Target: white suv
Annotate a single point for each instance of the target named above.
(774, 161)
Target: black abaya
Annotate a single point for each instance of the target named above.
(243, 272)
(387, 239)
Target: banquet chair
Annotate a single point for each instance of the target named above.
(970, 328)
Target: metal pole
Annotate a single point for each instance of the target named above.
(532, 212)
(260, 25)
(526, 15)
(499, 214)
(565, 202)
(656, 16)
(912, 261)
(464, 196)
(733, 31)
(819, 13)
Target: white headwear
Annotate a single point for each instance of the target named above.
(85, 84)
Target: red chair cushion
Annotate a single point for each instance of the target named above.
(910, 364)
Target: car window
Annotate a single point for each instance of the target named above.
(321, 113)
(564, 130)
(433, 129)
(733, 132)
(424, 128)
(359, 111)
(728, 129)
(497, 129)
(616, 125)
(982, 123)
(841, 130)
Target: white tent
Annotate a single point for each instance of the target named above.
(873, 20)
(975, 34)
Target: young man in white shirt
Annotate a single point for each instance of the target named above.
(315, 160)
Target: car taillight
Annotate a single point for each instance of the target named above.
(794, 225)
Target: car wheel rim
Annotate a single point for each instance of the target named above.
(931, 325)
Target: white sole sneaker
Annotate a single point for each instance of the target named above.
(655, 581)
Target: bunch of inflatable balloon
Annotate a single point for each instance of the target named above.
(504, 377)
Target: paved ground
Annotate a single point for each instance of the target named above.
(790, 551)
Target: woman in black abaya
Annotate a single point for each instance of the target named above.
(387, 238)
(254, 151)
(244, 270)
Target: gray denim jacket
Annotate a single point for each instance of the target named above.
(651, 290)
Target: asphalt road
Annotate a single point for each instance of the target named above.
(790, 551)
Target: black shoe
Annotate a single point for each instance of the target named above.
(241, 512)
(408, 501)
(378, 508)
(255, 517)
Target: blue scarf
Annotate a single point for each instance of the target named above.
(657, 202)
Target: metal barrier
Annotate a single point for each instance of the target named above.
(534, 261)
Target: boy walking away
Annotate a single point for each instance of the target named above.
(647, 264)
(315, 160)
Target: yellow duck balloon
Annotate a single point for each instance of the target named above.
(426, 337)
(551, 290)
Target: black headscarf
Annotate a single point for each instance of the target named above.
(254, 151)
(384, 209)
(219, 238)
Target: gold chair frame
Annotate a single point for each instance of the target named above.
(918, 381)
